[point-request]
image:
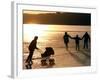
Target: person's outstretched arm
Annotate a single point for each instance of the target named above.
(80, 38)
(70, 37)
(73, 37)
(37, 48)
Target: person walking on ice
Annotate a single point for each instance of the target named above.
(66, 39)
(86, 38)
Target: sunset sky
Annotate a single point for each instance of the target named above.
(58, 18)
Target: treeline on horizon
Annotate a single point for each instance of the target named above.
(58, 18)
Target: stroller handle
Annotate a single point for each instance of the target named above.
(39, 50)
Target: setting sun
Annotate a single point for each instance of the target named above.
(31, 30)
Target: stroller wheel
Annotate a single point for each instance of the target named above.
(51, 62)
(43, 62)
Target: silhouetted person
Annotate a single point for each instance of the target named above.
(86, 38)
(77, 42)
(32, 47)
(66, 39)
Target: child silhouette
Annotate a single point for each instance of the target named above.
(77, 42)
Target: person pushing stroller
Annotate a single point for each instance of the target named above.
(32, 47)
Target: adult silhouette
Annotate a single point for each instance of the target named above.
(77, 42)
(32, 47)
(86, 38)
(66, 39)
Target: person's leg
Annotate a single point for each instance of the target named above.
(67, 46)
(84, 45)
(78, 47)
(29, 58)
(87, 45)
(31, 55)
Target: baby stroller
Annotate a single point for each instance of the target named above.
(47, 56)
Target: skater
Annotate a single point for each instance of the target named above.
(86, 38)
(77, 41)
(66, 39)
(32, 47)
